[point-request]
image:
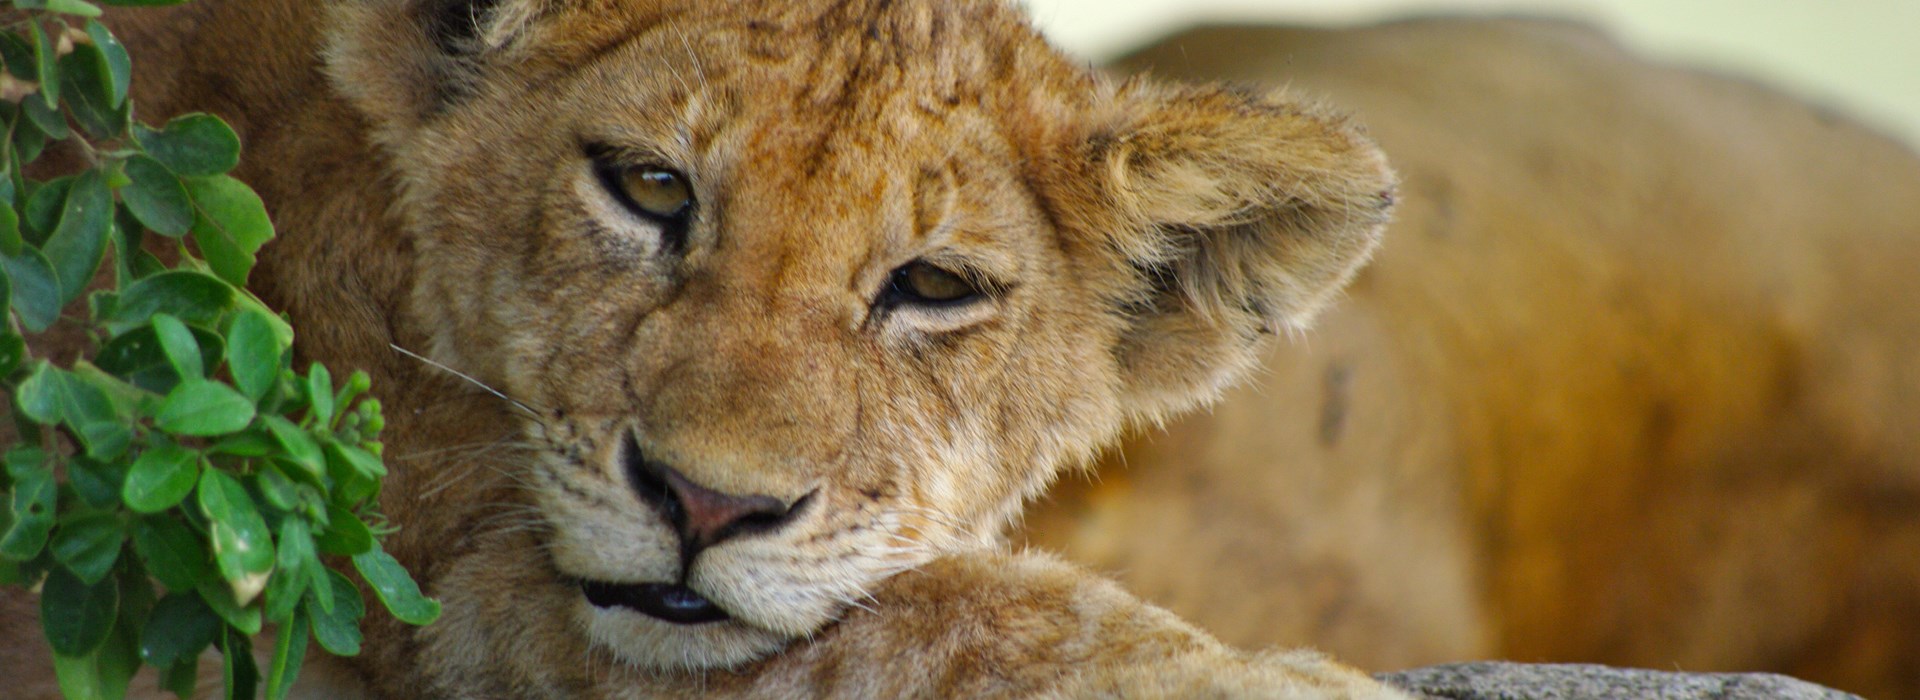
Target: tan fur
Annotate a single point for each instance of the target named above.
(1635, 379)
(433, 191)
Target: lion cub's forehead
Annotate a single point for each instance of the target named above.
(895, 66)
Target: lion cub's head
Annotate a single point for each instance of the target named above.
(806, 292)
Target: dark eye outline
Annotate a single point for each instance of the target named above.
(899, 291)
(609, 167)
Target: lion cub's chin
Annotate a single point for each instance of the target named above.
(654, 644)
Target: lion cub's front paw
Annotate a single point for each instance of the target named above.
(996, 624)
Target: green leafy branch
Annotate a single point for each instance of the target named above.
(175, 483)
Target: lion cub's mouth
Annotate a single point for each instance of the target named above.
(669, 602)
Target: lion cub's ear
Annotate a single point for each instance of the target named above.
(1224, 216)
(399, 61)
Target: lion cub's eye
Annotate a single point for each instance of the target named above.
(927, 285)
(650, 190)
(655, 191)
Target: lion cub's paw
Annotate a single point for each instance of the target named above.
(997, 624)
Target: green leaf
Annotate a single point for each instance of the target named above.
(13, 349)
(271, 483)
(173, 553)
(254, 350)
(10, 241)
(28, 140)
(396, 588)
(251, 443)
(137, 356)
(182, 351)
(220, 599)
(8, 163)
(34, 571)
(144, 265)
(44, 207)
(10, 180)
(84, 406)
(30, 507)
(193, 297)
(18, 55)
(97, 483)
(192, 145)
(289, 582)
(73, 7)
(76, 616)
(46, 120)
(79, 677)
(356, 472)
(87, 82)
(203, 408)
(337, 627)
(42, 395)
(243, 677)
(157, 198)
(180, 626)
(46, 59)
(320, 395)
(23, 461)
(289, 649)
(88, 544)
(127, 243)
(36, 290)
(10, 573)
(119, 66)
(118, 660)
(79, 243)
(242, 546)
(160, 477)
(229, 225)
(320, 587)
(300, 448)
(182, 678)
(345, 534)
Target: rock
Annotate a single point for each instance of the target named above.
(1511, 681)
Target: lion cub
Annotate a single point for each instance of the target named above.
(798, 302)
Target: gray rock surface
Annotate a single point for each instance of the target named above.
(1511, 681)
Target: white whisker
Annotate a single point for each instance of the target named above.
(483, 385)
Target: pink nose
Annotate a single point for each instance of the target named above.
(703, 517)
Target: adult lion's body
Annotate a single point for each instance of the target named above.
(781, 299)
(1635, 379)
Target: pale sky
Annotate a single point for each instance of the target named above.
(1860, 55)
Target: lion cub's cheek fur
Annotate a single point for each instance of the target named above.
(1129, 246)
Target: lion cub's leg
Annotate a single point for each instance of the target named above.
(969, 624)
(997, 624)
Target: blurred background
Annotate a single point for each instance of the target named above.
(1858, 55)
(1550, 198)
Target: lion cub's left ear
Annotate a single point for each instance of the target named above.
(400, 61)
(1222, 216)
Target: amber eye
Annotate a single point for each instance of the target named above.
(925, 284)
(655, 191)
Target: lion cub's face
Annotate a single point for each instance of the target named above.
(804, 293)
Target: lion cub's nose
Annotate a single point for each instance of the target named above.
(704, 517)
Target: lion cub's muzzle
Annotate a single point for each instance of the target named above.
(702, 518)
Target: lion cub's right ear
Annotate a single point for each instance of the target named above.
(1223, 215)
(400, 61)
